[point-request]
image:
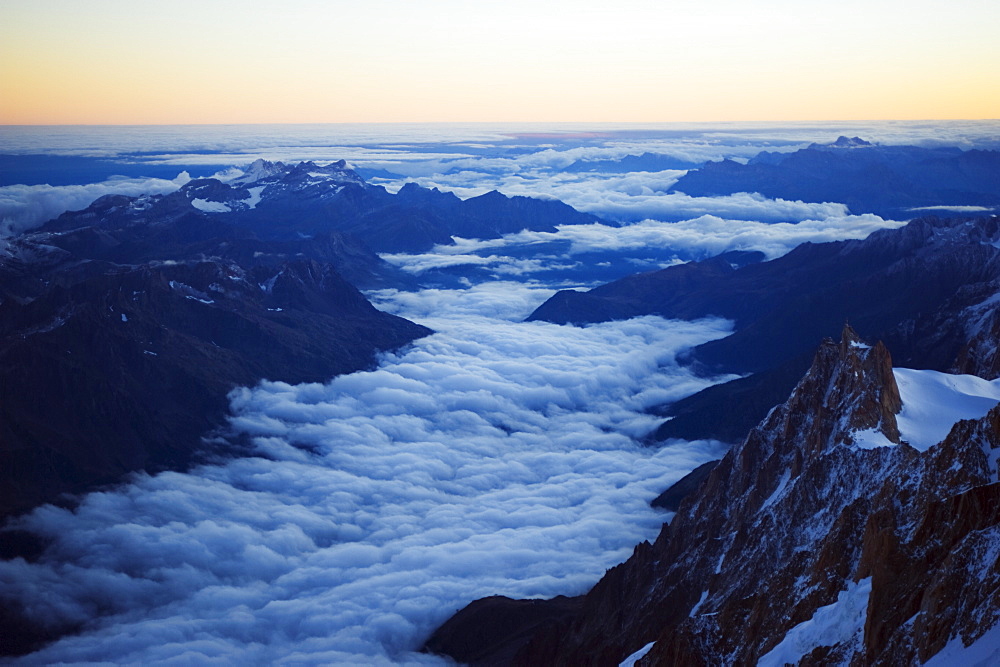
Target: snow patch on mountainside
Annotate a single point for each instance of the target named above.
(210, 206)
(842, 621)
(983, 652)
(256, 171)
(871, 438)
(782, 483)
(637, 656)
(933, 402)
(255, 197)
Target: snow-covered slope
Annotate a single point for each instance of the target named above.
(933, 402)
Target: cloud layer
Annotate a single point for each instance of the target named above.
(651, 242)
(710, 235)
(23, 207)
(632, 197)
(470, 159)
(492, 457)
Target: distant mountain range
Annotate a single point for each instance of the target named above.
(278, 202)
(891, 181)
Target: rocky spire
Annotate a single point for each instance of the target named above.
(849, 389)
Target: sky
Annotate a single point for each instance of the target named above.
(318, 61)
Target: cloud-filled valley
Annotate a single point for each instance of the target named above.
(493, 457)
(496, 456)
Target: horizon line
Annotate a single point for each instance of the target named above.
(516, 122)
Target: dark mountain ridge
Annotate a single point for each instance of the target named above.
(915, 287)
(124, 368)
(278, 202)
(890, 181)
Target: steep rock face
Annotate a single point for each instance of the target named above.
(821, 512)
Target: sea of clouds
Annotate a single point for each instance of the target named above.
(520, 159)
(407, 141)
(629, 197)
(493, 457)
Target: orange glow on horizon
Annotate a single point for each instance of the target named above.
(64, 63)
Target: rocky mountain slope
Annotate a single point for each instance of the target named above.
(928, 289)
(890, 181)
(824, 537)
(119, 368)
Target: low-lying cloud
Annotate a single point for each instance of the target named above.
(494, 457)
(632, 197)
(710, 235)
(23, 207)
(695, 239)
(691, 141)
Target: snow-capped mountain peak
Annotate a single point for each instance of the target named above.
(259, 170)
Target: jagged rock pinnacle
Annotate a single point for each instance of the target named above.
(850, 388)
